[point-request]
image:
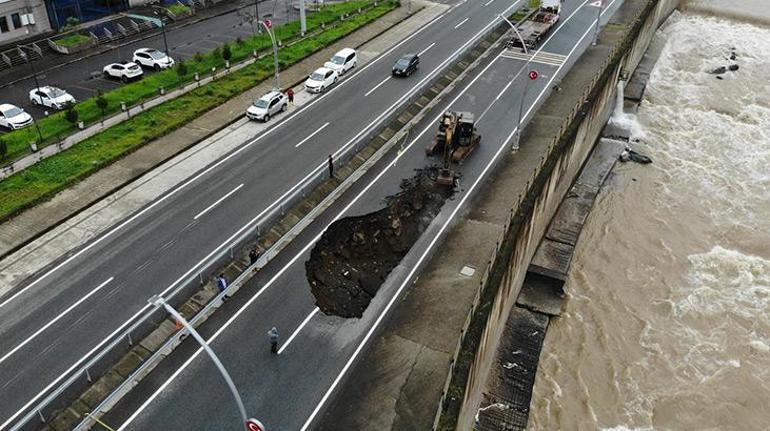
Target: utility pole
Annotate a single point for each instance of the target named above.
(256, 11)
(37, 86)
(302, 20)
(159, 14)
(517, 135)
(598, 18)
(158, 301)
(270, 33)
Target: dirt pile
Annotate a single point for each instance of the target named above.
(355, 254)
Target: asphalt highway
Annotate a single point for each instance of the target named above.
(291, 390)
(56, 321)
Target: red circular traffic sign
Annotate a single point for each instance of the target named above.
(268, 23)
(533, 74)
(255, 425)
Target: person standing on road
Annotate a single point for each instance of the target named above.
(273, 335)
(331, 166)
(290, 95)
(222, 284)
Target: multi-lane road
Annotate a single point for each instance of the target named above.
(56, 321)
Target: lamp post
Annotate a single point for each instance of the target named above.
(158, 301)
(162, 28)
(37, 85)
(598, 18)
(517, 135)
(270, 33)
(302, 20)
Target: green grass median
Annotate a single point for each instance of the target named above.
(55, 127)
(41, 181)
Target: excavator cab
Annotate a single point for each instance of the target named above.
(457, 138)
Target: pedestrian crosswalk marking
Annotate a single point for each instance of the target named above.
(540, 57)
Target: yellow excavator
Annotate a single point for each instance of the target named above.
(457, 138)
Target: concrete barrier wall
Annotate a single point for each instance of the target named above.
(574, 141)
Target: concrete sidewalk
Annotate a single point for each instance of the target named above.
(78, 214)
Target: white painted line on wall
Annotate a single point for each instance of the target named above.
(219, 201)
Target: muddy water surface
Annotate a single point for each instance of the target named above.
(667, 323)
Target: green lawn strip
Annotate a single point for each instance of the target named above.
(55, 127)
(178, 9)
(73, 40)
(41, 181)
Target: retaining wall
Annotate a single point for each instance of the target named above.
(623, 42)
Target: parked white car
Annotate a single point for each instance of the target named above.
(50, 97)
(267, 105)
(152, 58)
(342, 61)
(12, 117)
(320, 80)
(124, 71)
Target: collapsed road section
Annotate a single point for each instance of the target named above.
(354, 256)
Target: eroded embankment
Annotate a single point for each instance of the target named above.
(354, 256)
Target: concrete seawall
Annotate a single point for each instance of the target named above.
(591, 85)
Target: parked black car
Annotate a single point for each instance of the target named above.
(406, 65)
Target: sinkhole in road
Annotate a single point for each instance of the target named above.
(354, 256)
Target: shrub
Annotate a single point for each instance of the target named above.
(3, 149)
(71, 115)
(227, 54)
(102, 104)
(198, 57)
(182, 70)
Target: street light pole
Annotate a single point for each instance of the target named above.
(270, 33)
(302, 20)
(159, 14)
(517, 135)
(158, 301)
(598, 18)
(37, 86)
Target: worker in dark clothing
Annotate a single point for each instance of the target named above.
(273, 336)
(253, 256)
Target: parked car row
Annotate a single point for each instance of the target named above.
(13, 117)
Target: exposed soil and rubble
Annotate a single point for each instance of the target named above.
(354, 256)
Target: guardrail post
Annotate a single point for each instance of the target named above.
(282, 212)
(88, 376)
(40, 413)
(231, 252)
(130, 341)
(200, 275)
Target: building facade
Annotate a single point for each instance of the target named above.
(22, 19)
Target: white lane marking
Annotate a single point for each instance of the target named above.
(225, 159)
(299, 328)
(436, 237)
(489, 3)
(318, 130)
(54, 320)
(299, 255)
(219, 201)
(461, 23)
(376, 86)
(426, 49)
(310, 244)
(184, 185)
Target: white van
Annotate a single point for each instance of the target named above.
(342, 61)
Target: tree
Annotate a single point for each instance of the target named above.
(71, 115)
(182, 70)
(102, 104)
(227, 54)
(3, 149)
